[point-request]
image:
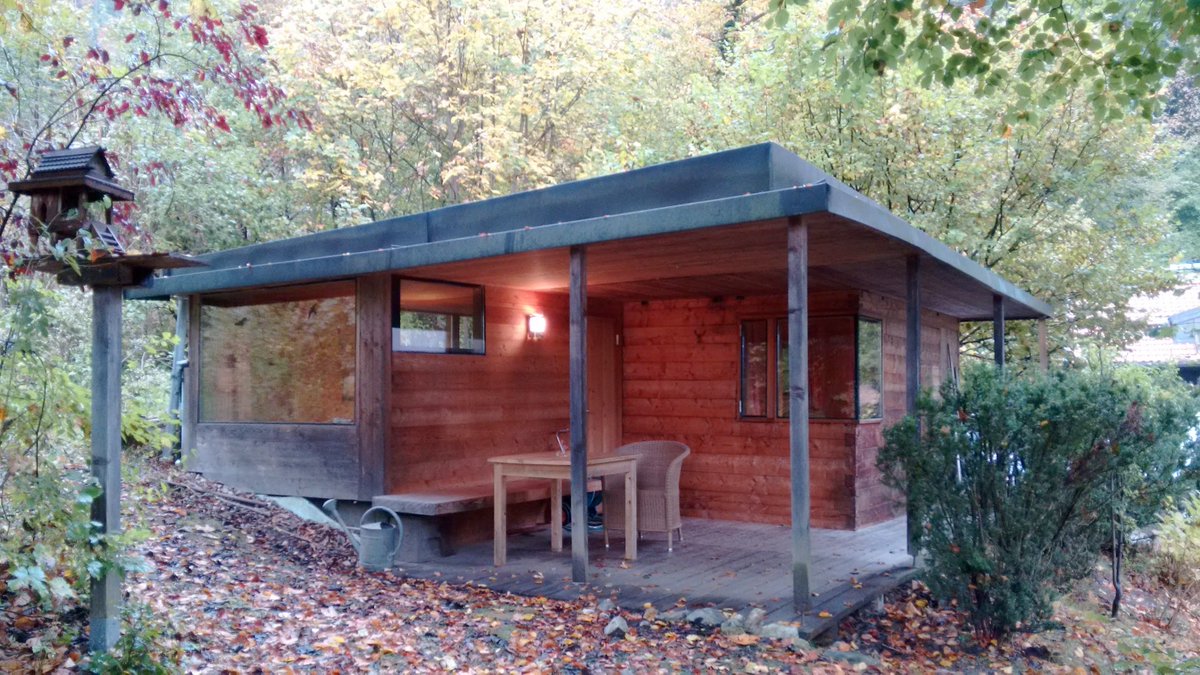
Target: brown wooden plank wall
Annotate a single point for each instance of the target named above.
(875, 502)
(450, 412)
(681, 368)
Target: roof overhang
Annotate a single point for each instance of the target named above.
(404, 244)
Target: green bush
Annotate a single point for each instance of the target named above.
(1017, 481)
(1176, 560)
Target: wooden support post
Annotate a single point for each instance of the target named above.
(798, 410)
(1043, 346)
(998, 329)
(179, 364)
(106, 456)
(373, 381)
(912, 362)
(579, 405)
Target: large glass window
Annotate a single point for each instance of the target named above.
(437, 317)
(278, 355)
(845, 373)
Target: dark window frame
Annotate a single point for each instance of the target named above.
(480, 300)
(776, 407)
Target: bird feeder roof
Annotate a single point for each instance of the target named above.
(86, 168)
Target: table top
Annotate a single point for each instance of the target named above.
(556, 459)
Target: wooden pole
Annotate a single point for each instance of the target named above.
(912, 362)
(579, 404)
(1043, 346)
(998, 329)
(798, 410)
(106, 456)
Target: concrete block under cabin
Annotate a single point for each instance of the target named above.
(388, 362)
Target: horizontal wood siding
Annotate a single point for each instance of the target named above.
(310, 460)
(450, 412)
(875, 502)
(681, 369)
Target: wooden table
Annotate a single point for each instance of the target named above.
(557, 468)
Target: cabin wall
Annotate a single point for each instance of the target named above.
(875, 502)
(450, 412)
(681, 370)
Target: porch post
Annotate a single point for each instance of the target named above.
(579, 404)
(179, 364)
(106, 456)
(913, 369)
(998, 329)
(1043, 346)
(798, 409)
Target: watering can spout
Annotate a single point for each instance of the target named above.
(330, 507)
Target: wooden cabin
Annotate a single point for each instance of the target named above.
(394, 358)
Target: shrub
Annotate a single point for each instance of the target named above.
(1013, 480)
(1176, 562)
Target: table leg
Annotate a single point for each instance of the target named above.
(631, 533)
(500, 518)
(556, 516)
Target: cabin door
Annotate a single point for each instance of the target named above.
(604, 386)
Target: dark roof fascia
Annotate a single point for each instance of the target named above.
(792, 201)
(851, 205)
(71, 179)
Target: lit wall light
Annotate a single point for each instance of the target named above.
(537, 326)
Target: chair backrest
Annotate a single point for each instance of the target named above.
(659, 462)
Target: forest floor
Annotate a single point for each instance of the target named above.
(239, 585)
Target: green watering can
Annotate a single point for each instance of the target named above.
(377, 537)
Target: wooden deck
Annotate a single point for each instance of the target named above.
(726, 564)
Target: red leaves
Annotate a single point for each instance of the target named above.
(68, 41)
(118, 5)
(260, 36)
(222, 124)
(129, 38)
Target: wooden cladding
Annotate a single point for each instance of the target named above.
(681, 367)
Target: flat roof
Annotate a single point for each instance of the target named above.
(672, 204)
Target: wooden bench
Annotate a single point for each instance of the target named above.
(428, 514)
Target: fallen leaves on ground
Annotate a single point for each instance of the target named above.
(246, 585)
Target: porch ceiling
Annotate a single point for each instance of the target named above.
(747, 259)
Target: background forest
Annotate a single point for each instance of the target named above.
(238, 123)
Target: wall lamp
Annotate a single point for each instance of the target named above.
(537, 326)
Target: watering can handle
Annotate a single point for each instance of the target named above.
(395, 518)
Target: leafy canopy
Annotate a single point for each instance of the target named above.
(1120, 53)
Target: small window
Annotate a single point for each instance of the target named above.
(845, 376)
(436, 317)
(869, 394)
(755, 367)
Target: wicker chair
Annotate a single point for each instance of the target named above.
(659, 464)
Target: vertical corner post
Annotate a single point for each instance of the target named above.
(579, 405)
(106, 456)
(797, 293)
(998, 329)
(912, 363)
(179, 364)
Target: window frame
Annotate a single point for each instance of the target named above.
(775, 326)
(480, 294)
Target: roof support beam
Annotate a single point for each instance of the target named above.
(106, 457)
(579, 405)
(797, 249)
(912, 364)
(998, 329)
